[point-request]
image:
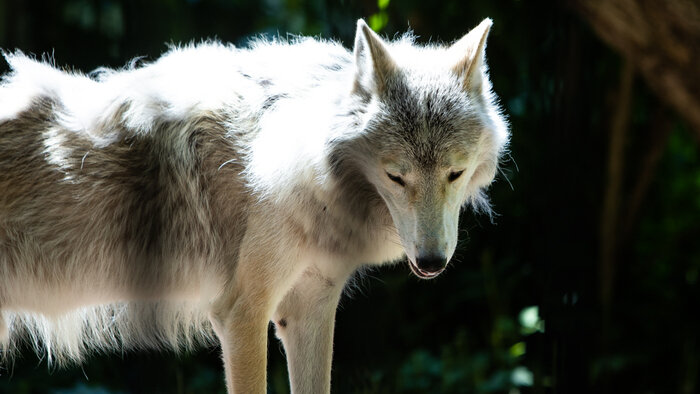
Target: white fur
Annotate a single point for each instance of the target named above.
(264, 177)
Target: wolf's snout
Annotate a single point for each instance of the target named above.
(431, 264)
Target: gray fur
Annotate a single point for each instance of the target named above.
(135, 212)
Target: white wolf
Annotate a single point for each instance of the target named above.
(203, 195)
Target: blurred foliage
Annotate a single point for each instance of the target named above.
(519, 312)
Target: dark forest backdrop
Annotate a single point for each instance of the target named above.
(586, 282)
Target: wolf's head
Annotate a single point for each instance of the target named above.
(431, 136)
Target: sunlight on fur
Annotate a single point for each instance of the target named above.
(196, 198)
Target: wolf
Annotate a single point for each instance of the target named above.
(199, 197)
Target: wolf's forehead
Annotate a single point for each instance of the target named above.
(430, 117)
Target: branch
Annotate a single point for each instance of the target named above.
(611, 201)
(662, 40)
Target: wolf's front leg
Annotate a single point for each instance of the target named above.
(305, 320)
(240, 317)
(242, 331)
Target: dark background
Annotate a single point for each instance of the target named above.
(586, 281)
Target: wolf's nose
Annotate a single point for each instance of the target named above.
(431, 263)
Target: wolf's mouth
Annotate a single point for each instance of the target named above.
(421, 273)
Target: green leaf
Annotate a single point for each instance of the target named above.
(378, 20)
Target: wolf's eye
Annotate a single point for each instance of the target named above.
(454, 175)
(396, 179)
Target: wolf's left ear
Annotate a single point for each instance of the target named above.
(467, 56)
(372, 60)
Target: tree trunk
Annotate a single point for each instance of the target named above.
(661, 39)
(609, 230)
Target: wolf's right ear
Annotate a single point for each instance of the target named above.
(373, 64)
